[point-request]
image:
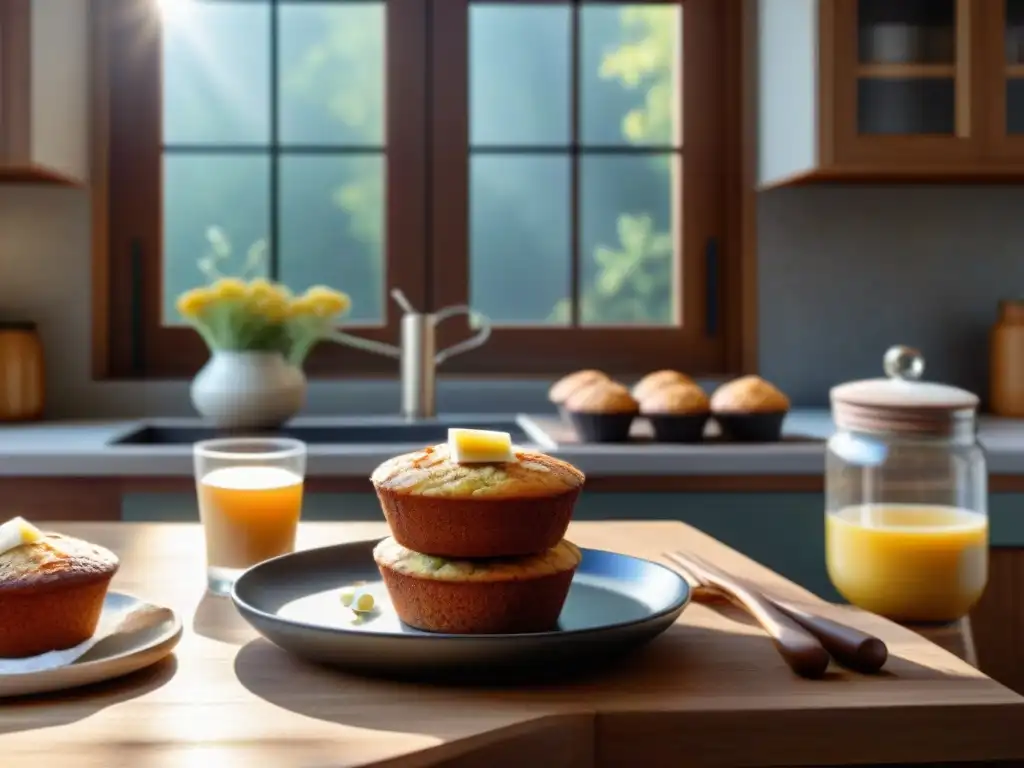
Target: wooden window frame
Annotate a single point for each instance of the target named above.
(129, 132)
(426, 241)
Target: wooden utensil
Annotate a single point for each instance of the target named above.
(849, 647)
(804, 654)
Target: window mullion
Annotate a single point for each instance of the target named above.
(273, 228)
(448, 190)
(574, 166)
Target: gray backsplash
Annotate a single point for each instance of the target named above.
(844, 273)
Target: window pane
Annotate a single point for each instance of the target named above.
(217, 73)
(203, 191)
(628, 259)
(519, 238)
(629, 74)
(519, 75)
(331, 76)
(331, 228)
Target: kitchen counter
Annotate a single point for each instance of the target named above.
(712, 690)
(83, 449)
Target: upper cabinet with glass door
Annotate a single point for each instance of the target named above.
(910, 79)
(890, 90)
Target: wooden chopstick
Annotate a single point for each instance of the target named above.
(804, 654)
(850, 647)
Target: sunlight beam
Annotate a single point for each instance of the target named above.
(172, 11)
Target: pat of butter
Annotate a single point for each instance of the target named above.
(16, 532)
(479, 446)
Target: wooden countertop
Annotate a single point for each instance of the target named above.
(711, 691)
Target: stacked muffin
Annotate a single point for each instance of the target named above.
(477, 545)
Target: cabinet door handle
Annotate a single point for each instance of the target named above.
(136, 307)
(711, 287)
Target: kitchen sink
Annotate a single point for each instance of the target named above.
(417, 433)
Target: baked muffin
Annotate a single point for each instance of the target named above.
(602, 412)
(509, 509)
(749, 409)
(652, 382)
(51, 594)
(677, 412)
(502, 596)
(562, 389)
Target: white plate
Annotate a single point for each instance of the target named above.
(107, 659)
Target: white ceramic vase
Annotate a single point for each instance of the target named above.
(248, 390)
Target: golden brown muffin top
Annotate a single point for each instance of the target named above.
(602, 397)
(431, 472)
(748, 394)
(679, 399)
(652, 382)
(564, 556)
(54, 560)
(565, 386)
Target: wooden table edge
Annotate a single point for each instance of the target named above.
(935, 735)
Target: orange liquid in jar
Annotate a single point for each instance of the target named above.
(908, 562)
(249, 514)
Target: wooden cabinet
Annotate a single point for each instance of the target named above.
(1004, 25)
(44, 91)
(890, 90)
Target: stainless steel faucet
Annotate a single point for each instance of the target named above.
(418, 356)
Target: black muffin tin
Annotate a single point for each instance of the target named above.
(602, 427)
(751, 427)
(679, 428)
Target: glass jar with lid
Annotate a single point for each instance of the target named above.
(906, 521)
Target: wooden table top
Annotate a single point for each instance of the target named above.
(710, 691)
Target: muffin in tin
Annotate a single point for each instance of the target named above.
(506, 509)
(652, 382)
(563, 389)
(497, 596)
(51, 594)
(602, 412)
(749, 409)
(678, 413)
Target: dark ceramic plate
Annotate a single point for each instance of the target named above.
(616, 603)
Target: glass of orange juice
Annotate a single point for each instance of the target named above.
(250, 500)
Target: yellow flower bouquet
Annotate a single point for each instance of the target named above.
(261, 316)
(259, 335)
(233, 314)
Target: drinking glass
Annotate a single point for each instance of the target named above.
(250, 500)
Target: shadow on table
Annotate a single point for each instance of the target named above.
(217, 619)
(685, 661)
(418, 718)
(333, 695)
(25, 713)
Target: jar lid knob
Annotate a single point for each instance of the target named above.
(904, 363)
